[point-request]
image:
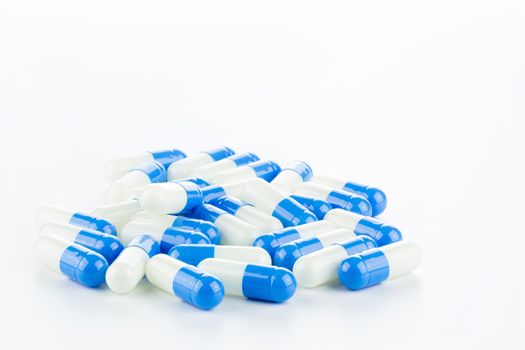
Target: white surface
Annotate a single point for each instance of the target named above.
(161, 270)
(127, 270)
(259, 219)
(229, 272)
(403, 257)
(183, 168)
(343, 218)
(319, 267)
(335, 236)
(421, 98)
(235, 231)
(163, 198)
(254, 255)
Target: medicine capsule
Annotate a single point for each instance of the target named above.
(196, 180)
(317, 206)
(269, 200)
(336, 198)
(292, 175)
(193, 254)
(264, 169)
(205, 227)
(106, 245)
(271, 241)
(260, 282)
(248, 213)
(79, 263)
(117, 168)
(381, 233)
(184, 167)
(55, 214)
(377, 265)
(145, 174)
(170, 197)
(118, 213)
(187, 282)
(211, 193)
(130, 267)
(207, 171)
(374, 195)
(287, 254)
(322, 266)
(167, 236)
(234, 230)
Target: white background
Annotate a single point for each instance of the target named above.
(424, 99)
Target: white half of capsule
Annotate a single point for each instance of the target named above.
(252, 255)
(53, 214)
(163, 198)
(259, 219)
(206, 172)
(236, 231)
(161, 270)
(162, 220)
(343, 218)
(335, 236)
(50, 249)
(123, 189)
(230, 273)
(314, 228)
(402, 257)
(313, 190)
(64, 231)
(237, 174)
(127, 270)
(183, 168)
(136, 228)
(116, 168)
(118, 213)
(262, 195)
(286, 180)
(234, 188)
(329, 181)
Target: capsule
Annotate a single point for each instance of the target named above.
(118, 213)
(248, 213)
(170, 197)
(252, 281)
(322, 266)
(234, 230)
(211, 193)
(381, 233)
(187, 282)
(124, 188)
(374, 195)
(77, 262)
(271, 241)
(184, 167)
(207, 171)
(336, 198)
(287, 254)
(130, 267)
(66, 216)
(317, 206)
(193, 254)
(377, 265)
(106, 245)
(264, 169)
(117, 168)
(269, 200)
(292, 175)
(205, 227)
(196, 180)
(167, 236)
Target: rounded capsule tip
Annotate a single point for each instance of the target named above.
(197, 238)
(207, 293)
(91, 270)
(267, 242)
(111, 248)
(377, 199)
(286, 256)
(121, 278)
(388, 235)
(105, 226)
(360, 205)
(353, 273)
(283, 285)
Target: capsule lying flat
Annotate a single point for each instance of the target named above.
(207, 171)
(293, 174)
(55, 214)
(187, 282)
(260, 282)
(193, 254)
(184, 167)
(211, 193)
(170, 197)
(264, 169)
(377, 265)
(317, 206)
(118, 213)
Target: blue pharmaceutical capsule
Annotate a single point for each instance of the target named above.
(118, 213)
(183, 168)
(79, 263)
(260, 282)
(106, 245)
(377, 265)
(211, 193)
(292, 175)
(170, 197)
(193, 254)
(317, 206)
(264, 169)
(196, 180)
(54, 214)
(208, 171)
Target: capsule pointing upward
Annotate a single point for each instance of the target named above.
(184, 167)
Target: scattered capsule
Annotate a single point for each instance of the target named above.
(292, 175)
(117, 168)
(375, 196)
(118, 213)
(268, 199)
(187, 282)
(130, 267)
(54, 214)
(184, 167)
(264, 169)
(211, 193)
(125, 187)
(381, 233)
(228, 163)
(336, 198)
(196, 180)
(248, 213)
(287, 254)
(106, 245)
(170, 197)
(193, 254)
(317, 206)
(322, 266)
(252, 281)
(77, 262)
(377, 265)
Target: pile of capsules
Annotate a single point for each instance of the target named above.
(217, 222)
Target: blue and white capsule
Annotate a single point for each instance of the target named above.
(336, 198)
(264, 169)
(170, 197)
(248, 213)
(184, 167)
(130, 267)
(106, 245)
(126, 186)
(118, 213)
(211, 193)
(269, 200)
(206, 172)
(193, 254)
(77, 262)
(187, 282)
(292, 175)
(374, 195)
(362, 225)
(317, 206)
(117, 168)
(377, 265)
(252, 281)
(55, 214)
